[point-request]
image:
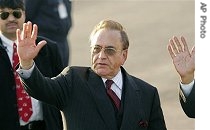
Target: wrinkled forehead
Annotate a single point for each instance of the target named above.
(106, 37)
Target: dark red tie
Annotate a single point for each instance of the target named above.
(23, 100)
(112, 94)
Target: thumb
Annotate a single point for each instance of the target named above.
(40, 45)
(193, 51)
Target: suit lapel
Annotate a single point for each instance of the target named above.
(4, 58)
(133, 111)
(102, 101)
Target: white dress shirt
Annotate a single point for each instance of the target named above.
(186, 88)
(117, 85)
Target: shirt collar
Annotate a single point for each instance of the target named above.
(6, 42)
(118, 80)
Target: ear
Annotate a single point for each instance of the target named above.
(124, 56)
(24, 15)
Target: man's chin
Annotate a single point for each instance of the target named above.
(101, 72)
(11, 31)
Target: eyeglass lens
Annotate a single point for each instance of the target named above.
(107, 51)
(4, 15)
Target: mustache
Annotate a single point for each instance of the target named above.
(11, 22)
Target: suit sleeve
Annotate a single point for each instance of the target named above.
(54, 91)
(188, 103)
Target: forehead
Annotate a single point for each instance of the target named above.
(8, 9)
(105, 37)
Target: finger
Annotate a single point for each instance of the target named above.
(171, 52)
(40, 45)
(184, 43)
(34, 32)
(179, 46)
(193, 52)
(28, 29)
(193, 55)
(18, 35)
(173, 47)
(23, 33)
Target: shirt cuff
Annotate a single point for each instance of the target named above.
(25, 73)
(186, 88)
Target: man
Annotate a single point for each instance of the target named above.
(184, 62)
(101, 97)
(53, 18)
(40, 115)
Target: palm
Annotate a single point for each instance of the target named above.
(27, 48)
(184, 63)
(183, 59)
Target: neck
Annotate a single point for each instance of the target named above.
(10, 36)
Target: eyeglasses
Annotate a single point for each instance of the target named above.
(16, 13)
(109, 51)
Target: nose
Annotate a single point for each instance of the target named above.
(102, 54)
(11, 17)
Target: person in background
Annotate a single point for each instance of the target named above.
(18, 111)
(184, 63)
(101, 97)
(53, 18)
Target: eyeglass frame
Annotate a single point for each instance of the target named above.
(18, 11)
(104, 50)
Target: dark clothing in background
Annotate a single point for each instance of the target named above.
(45, 14)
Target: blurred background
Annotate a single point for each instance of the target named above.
(149, 24)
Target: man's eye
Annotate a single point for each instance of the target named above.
(96, 49)
(110, 51)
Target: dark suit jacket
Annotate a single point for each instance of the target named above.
(188, 103)
(80, 94)
(48, 61)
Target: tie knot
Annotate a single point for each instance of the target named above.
(109, 83)
(14, 46)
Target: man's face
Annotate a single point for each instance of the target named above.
(107, 54)
(10, 23)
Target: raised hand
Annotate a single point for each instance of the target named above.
(183, 59)
(27, 48)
